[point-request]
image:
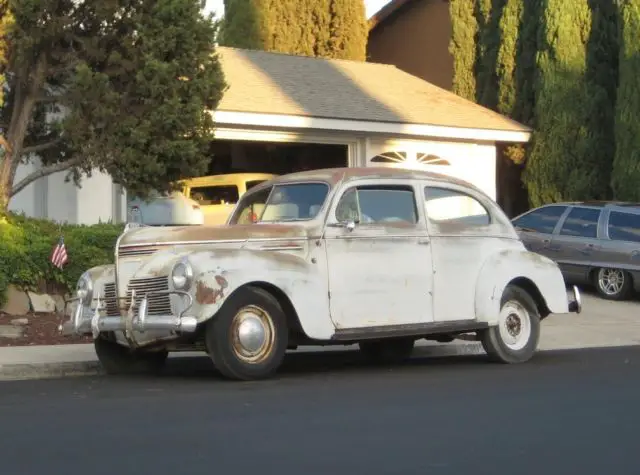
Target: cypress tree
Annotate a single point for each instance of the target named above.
(489, 39)
(626, 164)
(561, 165)
(324, 28)
(463, 47)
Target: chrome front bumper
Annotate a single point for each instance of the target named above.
(85, 321)
(575, 305)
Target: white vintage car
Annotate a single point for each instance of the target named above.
(381, 257)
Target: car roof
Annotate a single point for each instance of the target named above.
(596, 204)
(335, 175)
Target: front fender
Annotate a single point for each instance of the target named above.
(503, 267)
(219, 273)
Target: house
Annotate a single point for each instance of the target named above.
(414, 35)
(285, 113)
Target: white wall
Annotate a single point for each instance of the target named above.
(98, 199)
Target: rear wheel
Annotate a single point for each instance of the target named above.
(515, 338)
(613, 284)
(118, 359)
(247, 339)
(387, 351)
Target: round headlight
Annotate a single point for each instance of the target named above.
(181, 275)
(84, 289)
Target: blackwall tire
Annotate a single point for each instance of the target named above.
(515, 338)
(247, 339)
(613, 284)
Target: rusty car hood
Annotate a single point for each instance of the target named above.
(186, 234)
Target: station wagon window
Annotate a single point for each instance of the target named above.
(214, 195)
(286, 202)
(541, 220)
(378, 204)
(581, 222)
(450, 206)
(624, 226)
(251, 183)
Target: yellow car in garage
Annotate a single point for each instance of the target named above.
(202, 200)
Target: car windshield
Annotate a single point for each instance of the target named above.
(286, 202)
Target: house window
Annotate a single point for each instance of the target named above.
(410, 157)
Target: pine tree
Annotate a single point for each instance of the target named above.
(324, 28)
(626, 164)
(561, 165)
(463, 47)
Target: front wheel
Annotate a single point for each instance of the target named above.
(515, 338)
(247, 339)
(117, 359)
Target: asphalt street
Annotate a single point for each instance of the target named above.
(565, 412)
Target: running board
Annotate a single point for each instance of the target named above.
(412, 329)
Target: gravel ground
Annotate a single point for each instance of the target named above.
(36, 329)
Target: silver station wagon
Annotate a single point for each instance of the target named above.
(380, 257)
(595, 243)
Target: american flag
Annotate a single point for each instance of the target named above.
(59, 254)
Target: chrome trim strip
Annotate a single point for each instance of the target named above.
(281, 248)
(213, 241)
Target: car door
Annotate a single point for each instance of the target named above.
(536, 227)
(378, 257)
(576, 245)
(621, 243)
(460, 227)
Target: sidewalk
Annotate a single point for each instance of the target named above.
(601, 324)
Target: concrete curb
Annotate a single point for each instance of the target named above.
(17, 372)
(67, 369)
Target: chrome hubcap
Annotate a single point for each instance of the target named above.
(253, 334)
(611, 280)
(514, 325)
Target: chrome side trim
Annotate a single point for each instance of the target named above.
(211, 241)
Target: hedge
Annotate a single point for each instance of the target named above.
(26, 245)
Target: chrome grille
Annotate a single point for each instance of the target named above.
(137, 251)
(110, 299)
(158, 304)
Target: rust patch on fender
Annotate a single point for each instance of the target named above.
(205, 295)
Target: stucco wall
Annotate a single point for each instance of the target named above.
(415, 38)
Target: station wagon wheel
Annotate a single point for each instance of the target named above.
(117, 359)
(247, 338)
(515, 338)
(613, 284)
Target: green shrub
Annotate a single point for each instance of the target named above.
(26, 245)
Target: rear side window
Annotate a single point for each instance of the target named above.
(581, 222)
(214, 195)
(624, 226)
(450, 206)
(542, 220)
(378, 204)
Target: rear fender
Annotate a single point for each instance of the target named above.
(531, 268)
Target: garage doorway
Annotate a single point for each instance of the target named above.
(239, 156)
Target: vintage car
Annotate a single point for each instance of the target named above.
(381, 257)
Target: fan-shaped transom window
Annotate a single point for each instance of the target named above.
(404, 157)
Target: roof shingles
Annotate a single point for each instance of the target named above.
(275, 83)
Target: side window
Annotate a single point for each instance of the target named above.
(624, 226)
(542, 220)
(581, 222)
(450, 206)
(378, 204)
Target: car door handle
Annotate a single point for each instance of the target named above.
(423, 241)
(587, 249)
